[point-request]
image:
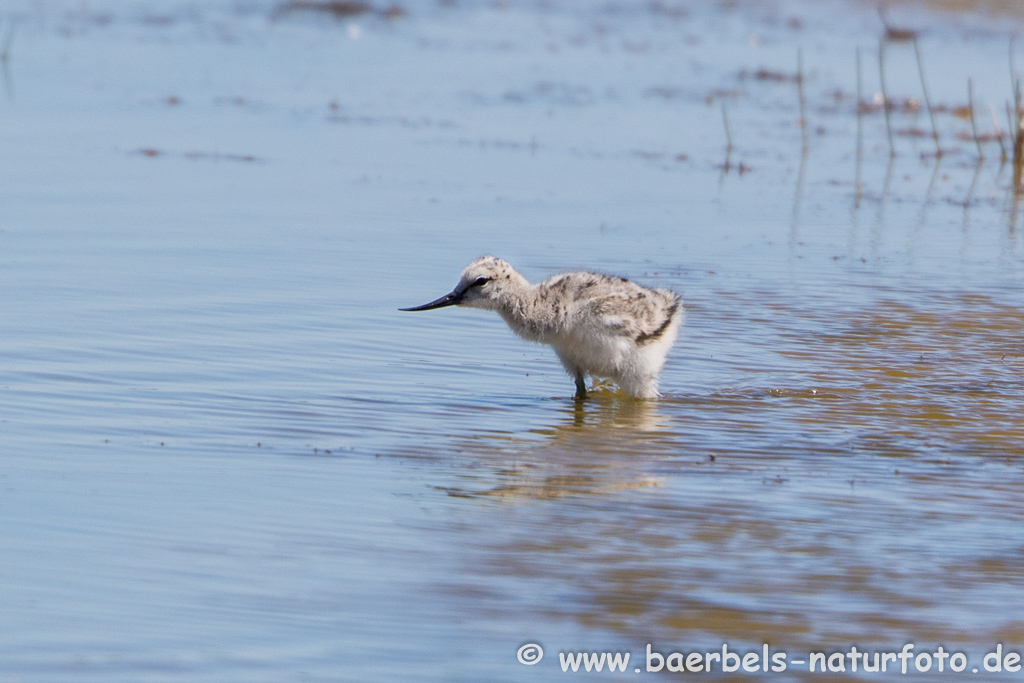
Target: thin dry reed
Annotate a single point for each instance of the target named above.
(927, 100)
(974, 125)
(885, 95)
(999, 134)
(860, 129)
(800, 94)
(728, 135)
(5, 52)
(1014, 122)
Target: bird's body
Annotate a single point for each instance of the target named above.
(598, 325)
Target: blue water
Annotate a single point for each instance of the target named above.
(225, 455)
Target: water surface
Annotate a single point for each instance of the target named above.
(227, 456)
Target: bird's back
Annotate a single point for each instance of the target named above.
(596, 303)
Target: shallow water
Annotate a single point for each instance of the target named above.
(227, 456)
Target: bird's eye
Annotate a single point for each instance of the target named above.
(480, 281)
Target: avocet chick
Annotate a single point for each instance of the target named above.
(599, 325)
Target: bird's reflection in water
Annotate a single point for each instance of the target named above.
(597, 446)
(609, 409)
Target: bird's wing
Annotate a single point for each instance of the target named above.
(616, 315)
(634, 316)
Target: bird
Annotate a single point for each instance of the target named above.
(598, 325)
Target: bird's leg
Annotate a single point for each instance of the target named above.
(581, 387)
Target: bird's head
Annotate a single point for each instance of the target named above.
(482, 285)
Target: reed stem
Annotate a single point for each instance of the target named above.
(728, 135)
(5, 52)
(885, 95)
(974, 125)
(800, 94)
(999, 133)
(927, 100)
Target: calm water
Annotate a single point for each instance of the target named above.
(226, 456)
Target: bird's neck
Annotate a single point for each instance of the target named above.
(526, 310)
